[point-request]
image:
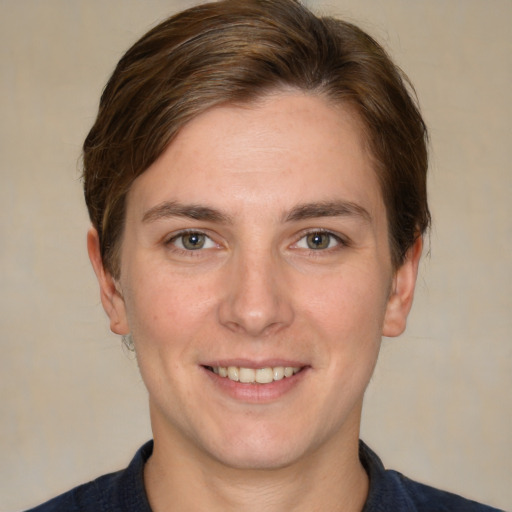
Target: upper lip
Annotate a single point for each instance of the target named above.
(255, 364)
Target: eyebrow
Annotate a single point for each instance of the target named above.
(175, 209)
(328, 209)
(300, 212)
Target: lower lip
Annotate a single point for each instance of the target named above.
(256, 393)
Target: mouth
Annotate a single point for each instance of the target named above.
(264, 375)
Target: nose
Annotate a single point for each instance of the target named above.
(256, 302)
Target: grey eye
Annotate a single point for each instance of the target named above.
(317, 241)
(192, 241)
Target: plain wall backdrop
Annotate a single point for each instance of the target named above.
(439, 407)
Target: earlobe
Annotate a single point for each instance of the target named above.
(402, 292)
(111, 297)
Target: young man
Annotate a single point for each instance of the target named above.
(256, 180)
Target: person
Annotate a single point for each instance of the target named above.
(256, 182)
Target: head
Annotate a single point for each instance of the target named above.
(256, 180)
(237, 52)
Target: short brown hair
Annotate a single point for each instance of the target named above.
(237, 51)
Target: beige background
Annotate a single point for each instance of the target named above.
(73, 406)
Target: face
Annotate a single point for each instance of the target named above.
(256, 281)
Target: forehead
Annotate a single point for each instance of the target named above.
(284, 149)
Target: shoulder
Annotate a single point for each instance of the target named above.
(115, 492)
(391, 491)
(84, 498)
(429, 499)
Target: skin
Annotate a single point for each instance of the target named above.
(258, 179)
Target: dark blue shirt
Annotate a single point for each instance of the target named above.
(390, 491)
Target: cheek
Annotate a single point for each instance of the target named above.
(165, 319)
(164, 307)
(350, 303)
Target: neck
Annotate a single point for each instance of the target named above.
(178, 477)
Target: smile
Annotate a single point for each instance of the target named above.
(254, 376)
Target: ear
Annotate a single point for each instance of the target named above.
(402, 292)
(111, 297)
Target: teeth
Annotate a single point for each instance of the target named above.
(264, 375)
(247, 375)
(278, 372)
(233, 373)
(252, 376)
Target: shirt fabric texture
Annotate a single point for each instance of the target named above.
(389, 491)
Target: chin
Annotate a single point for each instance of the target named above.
(248, 458)
(260, 449)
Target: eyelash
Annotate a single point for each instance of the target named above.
(340, 241)
(170, 242)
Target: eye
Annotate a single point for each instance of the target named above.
(318, 240)
(192, 241)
